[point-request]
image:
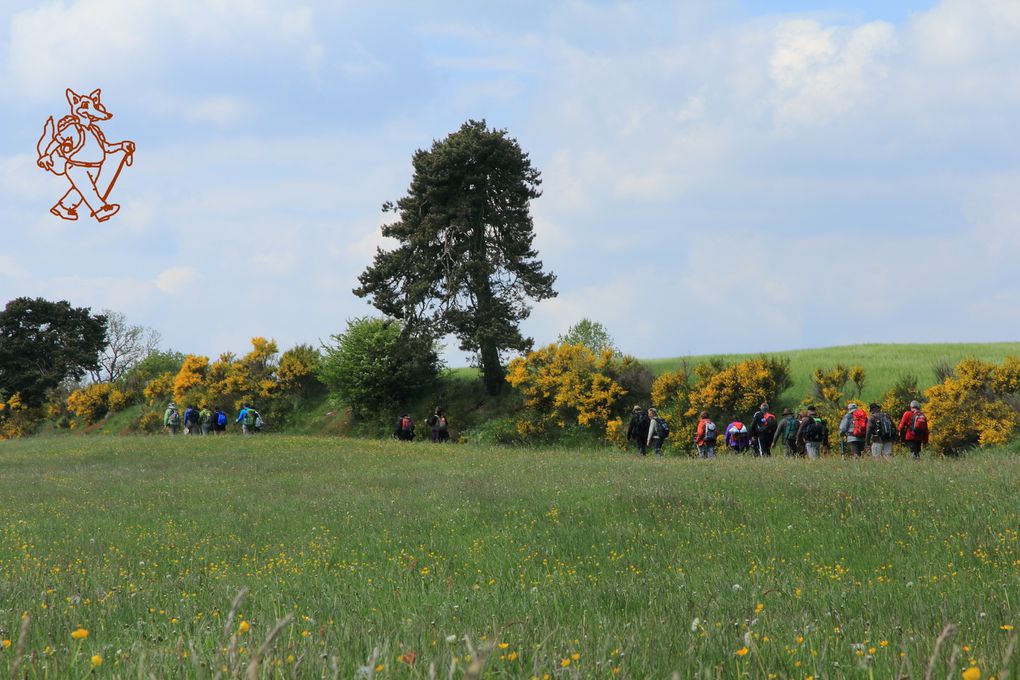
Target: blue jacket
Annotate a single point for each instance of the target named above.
(240, 416)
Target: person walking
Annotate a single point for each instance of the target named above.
(813, 434)
(738, 438)
(438, 427)
(913, 429)
(763, 431)
(854, 426)
(786, 433)
(881, 432)
(190, 420)
(405, 428)
(637, 429)
(247, 417)
(658, 430)
(205, 420)
(706, 436)
(219, 421)
(171, 419)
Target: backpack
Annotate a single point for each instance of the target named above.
(441, 425)
(790, 427)
(406, 424)
(663, 428)
(249, 417)
(258, 421)
(814, 430)
(859, 424)
(710, 434)
(919, 424)
(884, 431)
(174, 418)
(221, 419)
(740, 436)
(767, 423)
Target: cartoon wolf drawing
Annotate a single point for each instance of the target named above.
(76, 148)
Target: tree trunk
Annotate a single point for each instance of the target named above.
(492, 370)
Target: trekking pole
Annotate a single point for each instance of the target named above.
(842, 438)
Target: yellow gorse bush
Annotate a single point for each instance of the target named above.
(974, 406)
(90, 403)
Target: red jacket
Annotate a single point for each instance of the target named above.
(906, 433)
(699, 438)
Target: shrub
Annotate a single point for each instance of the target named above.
(375, 365)
(974, 406)
(591, 334)
(740, 388)
(159, 390)
(189, 383)
(90, 403)
(897, 398)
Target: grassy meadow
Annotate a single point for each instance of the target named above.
(385, 559)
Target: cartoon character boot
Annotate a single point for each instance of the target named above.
(106, 212)
(64, 213)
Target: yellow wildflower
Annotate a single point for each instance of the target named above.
(1006, 627)
(742, 651)
(564, 663)
(972, 673)
(79, 634)
(243, 627)
(96, 659)
(6, 643)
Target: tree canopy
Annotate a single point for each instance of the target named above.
(465, 262)
(43, 343)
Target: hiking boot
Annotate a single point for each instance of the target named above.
(64, 213)
(106, 212)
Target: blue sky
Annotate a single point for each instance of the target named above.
(718, 176)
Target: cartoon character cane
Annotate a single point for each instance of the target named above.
(76, 148)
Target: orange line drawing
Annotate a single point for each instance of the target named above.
(76, 148)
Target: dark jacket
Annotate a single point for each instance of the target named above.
(637, 430)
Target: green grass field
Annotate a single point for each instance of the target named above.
(558, 564)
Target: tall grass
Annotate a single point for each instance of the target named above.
(393, 558)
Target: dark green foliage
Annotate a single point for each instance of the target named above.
(43, 343)
(592, 335)
(375, 365)
(465, 263)
(156, 363)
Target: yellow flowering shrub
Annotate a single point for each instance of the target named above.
(118, 400)
(16, 418)
(975, 406)
(90, 403)
(189, 383)
(563, 383)
(160, 389)
(740, 388)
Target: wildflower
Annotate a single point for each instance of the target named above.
(758, 608)
(451, 638)
(290, 658)
(883, 643)
(6, 644)
(972, 673)
(742, 651)
(408, 658)
(564, 663)
(380, 668)
(512, 656)
(575, 656)
(305, 633)
(96, 660)
(79, 634)
(243, 627)
(504, 645)
(1006, 627)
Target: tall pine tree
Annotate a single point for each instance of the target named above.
(465, 263)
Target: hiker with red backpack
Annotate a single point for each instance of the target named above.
(913, 429)
(706, 436)
(405, 428)
(813, 434)
(738, 437)
(854, 427)
(763, 431)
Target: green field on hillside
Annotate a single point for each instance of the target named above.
(385, 558)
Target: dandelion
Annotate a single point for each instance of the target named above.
(243, 627)
(564, 663)
(6, 644)
(1006, 627)
(96, 660)
(79, 633)
(512, 656)
(575, 656)
(758, 608)
(504, 645)
(972, 673)
(883, 643)
(742, 651)
(290, 658)
(380, 668)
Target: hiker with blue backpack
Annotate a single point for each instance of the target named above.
(219, 421)
(658, 431)
(706, 436)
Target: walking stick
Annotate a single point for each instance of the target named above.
(128, 158)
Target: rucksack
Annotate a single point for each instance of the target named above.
(919, 424)
(249, 417)
(258, 421)
(884, 431)
(441, 425)
(710, 434)
(174, 418)
(738, 431)
(406, 424)
(767, 423)
(663, 428)
(221, 418)
(814, 430)
(790, 427)
(859, 423)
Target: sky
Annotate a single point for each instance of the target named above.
(724, 176)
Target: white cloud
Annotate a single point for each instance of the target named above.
(175, 280)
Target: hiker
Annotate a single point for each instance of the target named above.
(881, 432)
(738, 438)
(205, 420)
(706, 436)
(439, 427)
(813, 433)
(913, 429)
(171, 419)
(786, 432)
(763, 431)
(219, 421)
(854, 427)
(637, 430)
(190, 420)
(658, 430)
(251, 421)
(405, 428)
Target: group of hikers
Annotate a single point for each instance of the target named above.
(439, 427)
(204, 421)
(802, 434)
